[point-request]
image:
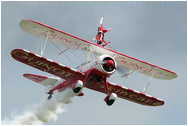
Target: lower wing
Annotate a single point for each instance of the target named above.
(47, 65)
(127, 94)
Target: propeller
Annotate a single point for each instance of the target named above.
(109, 63)
(101, 20)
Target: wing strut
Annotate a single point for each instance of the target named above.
(42, 50)
(90, 51)
(40, 44)
(145, 88)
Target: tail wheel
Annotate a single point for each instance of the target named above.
(50, 96)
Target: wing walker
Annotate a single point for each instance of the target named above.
(100, 35)
(93, 74)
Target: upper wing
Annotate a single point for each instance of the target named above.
(73, 42)
(47, 65)
(41, 79)
(54, 35)
(127, 94)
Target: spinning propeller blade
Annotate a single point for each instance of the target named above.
(101, 20)
(122, 71)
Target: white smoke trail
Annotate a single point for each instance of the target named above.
(44, 112)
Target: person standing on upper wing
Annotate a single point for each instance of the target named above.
(100, 35)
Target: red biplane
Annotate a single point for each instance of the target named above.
(93, 74)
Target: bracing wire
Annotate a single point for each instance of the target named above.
(131, 80)
(123, 79)
(84, 55)
(148, 82)
(135, 83)
(63, 53)
(76, 55)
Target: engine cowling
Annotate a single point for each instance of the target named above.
(106, 64)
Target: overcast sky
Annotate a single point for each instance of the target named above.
(155, 32)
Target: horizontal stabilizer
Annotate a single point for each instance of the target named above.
(44, 80)
(47, 65)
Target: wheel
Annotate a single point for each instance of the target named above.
(77, 87)
(76, 90)
(110, 99)
(110, 102)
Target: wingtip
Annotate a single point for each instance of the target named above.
(175, 75)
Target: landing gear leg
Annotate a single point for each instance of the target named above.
(106, 86)
(111, 97)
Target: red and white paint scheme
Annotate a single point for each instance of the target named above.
(100, 34)
(92, 75)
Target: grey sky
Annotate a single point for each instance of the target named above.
(155, 32)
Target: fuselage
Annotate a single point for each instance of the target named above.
(102, 67)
